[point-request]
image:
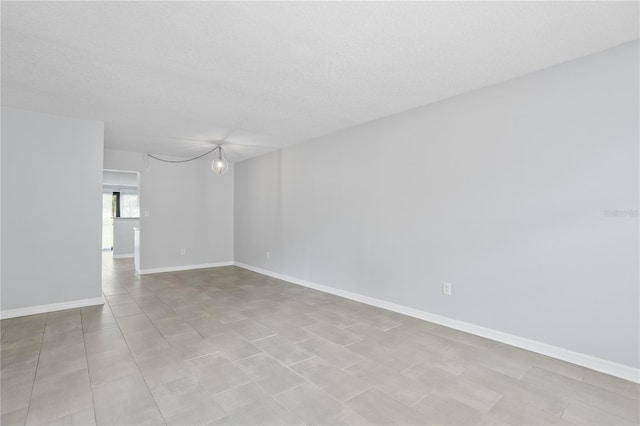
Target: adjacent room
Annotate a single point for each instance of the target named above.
(322, 213)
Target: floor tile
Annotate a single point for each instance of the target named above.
(59, 396)
(104, 340)
(404, 389)
(310, 403)
(333, 334)
(105, 367)
(380, 409)
(85, 417)
(16, 392)
(586, 393)
(579, 413)
(239, 396)
(185, 401)
(270, 374)
(216, 373)
(15, 417)
(518, 392)
(511, 411)
(614, 384)
(126, 309)
(230, 346)
(339, 384)
(251, 330)
(263, 412)
(333, 353)
(441, 409)
(162, 367)
(283, 350)
(126, 401)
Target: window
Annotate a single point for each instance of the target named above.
(124, 204)
(129, 205)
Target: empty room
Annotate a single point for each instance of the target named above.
(320, 213)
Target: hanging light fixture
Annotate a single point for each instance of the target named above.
(219, 163)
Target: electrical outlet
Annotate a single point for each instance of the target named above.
(446, 288)
(268, 255)
(183, 251)
(146, 213)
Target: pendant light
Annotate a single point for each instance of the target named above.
(219, 163)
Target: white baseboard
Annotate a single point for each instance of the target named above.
(123, 256)
(184, 267)
(588, 361)
(33, 310)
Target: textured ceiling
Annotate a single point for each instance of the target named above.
(172, 77)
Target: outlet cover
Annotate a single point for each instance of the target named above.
(446, 288)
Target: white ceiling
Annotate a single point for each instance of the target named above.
(173, 77)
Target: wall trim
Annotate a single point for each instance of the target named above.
(584, 360)
(123, 256)
(184, 268)
(32, 310)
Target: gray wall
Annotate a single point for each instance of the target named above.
(123, 243)
(505, 192)
(51, 209)
(189, 207)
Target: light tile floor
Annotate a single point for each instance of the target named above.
(229, 346)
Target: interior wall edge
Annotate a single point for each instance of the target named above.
(584, 360)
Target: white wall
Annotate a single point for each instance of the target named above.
(504, 192)
(189, 207)
(123, 236)
(51, 209)
(119, 178)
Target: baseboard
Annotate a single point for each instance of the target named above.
(184, 268)
(123, 256)
(588, 361)
(33, 310)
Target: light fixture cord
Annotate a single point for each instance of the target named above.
(187, 160)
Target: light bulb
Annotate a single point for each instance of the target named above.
(219, 165)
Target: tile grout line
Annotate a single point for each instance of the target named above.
(352, 364)
(571, 398)
(303, 360)
(261, 338)
(247, 357)
(358, 394)
(305, 380)
(138, 367)
(9, 322)
(233, 388)
(409, 367)
(201, 356)
(423, 397)
(86, 358)
(35, 373)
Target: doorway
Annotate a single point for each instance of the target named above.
(120, 212)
